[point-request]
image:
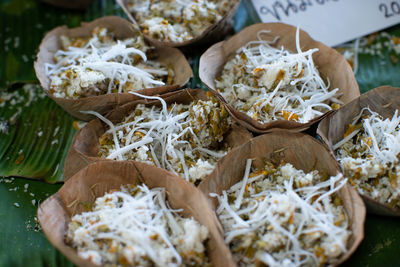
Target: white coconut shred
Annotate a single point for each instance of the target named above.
(281, 216)
(100, 64)
(184, 139)
(270, 83)
(136, 227)
(177, 21)
(369, 155)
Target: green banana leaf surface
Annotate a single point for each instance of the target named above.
(35, 133)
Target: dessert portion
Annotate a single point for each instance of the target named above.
(282, 216)
(101, 64)
(272, 83)
(177, 21)
(136, 227)
(187, 140)
(369, 155)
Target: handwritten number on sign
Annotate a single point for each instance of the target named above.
(391, 9)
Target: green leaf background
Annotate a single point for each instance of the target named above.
(35, 133)
(377, 70)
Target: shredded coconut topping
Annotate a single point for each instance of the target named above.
(184, 139)
(284, 217)
(369, 155)
(177, 21)
(101, 65)
(135, 226)
(270, 83)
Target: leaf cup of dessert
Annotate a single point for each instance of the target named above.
(93, 67)
(274, 76)
(364, 136)
(185, 132)
(181, 23)
(283, 201)
(132, 214)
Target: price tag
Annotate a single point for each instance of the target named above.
(332, 21)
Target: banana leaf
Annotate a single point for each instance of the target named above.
(34, 134)
(376, 70)
(23, 24)
(23, 243)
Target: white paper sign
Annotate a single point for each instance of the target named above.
(332, 21)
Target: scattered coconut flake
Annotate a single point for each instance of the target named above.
(16, 42)
(54, 142)
(25, 58)
(4, 127)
